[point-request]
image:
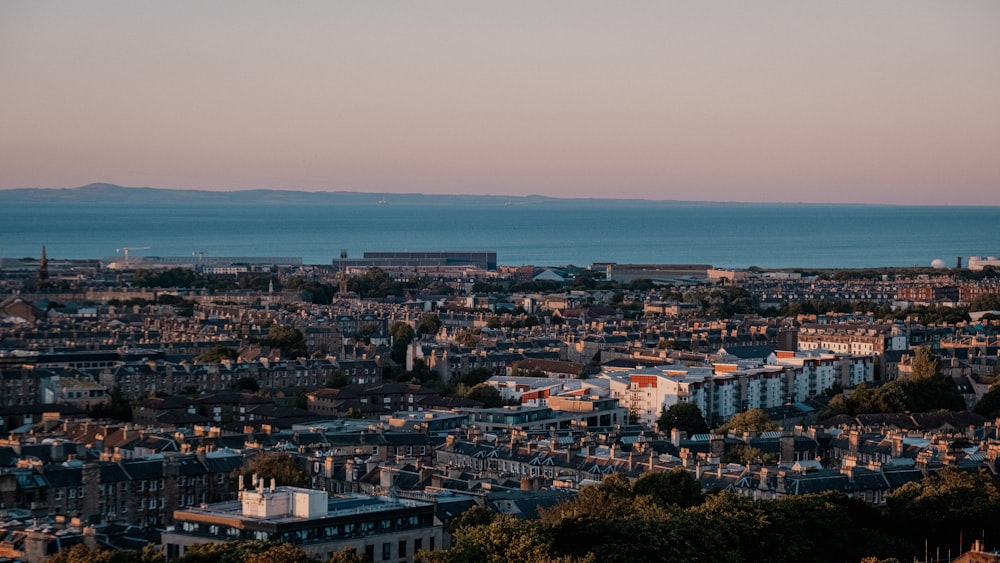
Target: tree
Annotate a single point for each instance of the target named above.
(246, 551)
(374, 283)
(346, 555)
(82, 554)
(117, 407)
(429, 324)
(469, 338)
(485, 394)
(925, 363)
(289, 340)
(745, 455)
(989, 405)
(683, 416)
(246, 383)
(675, 487)
(944, 505)
(475, 377)
(505, 539)
(216, 354)
(753, 420)
(985, 302)
(280, 466)
(402, 335)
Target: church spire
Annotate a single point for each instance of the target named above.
(43, 266)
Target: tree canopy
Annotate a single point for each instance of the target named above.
(683, 416)
(289, 340)
(926, 389)
(216, 354)
(753, 420)
(429, 324)
(281, 466)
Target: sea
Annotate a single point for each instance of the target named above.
(553, 232)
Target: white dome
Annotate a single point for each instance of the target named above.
(938, 264)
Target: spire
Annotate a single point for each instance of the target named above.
(43, 266)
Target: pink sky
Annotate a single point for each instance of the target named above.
(871, 102)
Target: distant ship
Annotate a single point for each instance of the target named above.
(382, 201)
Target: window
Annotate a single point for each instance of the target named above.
(402, 549)
(386, 550)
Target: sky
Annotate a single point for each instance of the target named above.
(862, 102)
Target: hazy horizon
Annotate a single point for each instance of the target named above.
(386, 194)
(769, 102)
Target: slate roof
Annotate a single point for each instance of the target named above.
(144, 469)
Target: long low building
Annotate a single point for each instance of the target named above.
(483, 260)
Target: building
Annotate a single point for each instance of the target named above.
(80, 392)
(377, 528)
(481, 260)
(979, 262)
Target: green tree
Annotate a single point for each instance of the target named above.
(475, 377)
(82, 554)
(246, 383)
(469, 338)
(375, 283)
(485, 394)
(429, 324)
(672, 488)
(985, 302)
(989, 405)
(683, 416)
(216, 354)
(402, 335)
(280, 466)
(347, 555)
(289, 340)
(246, 552)
(753, 420)
(925, 363)
(504, 540)
(744, 455)
(117, 407)
(944, 505)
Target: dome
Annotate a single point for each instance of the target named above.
(937, 264)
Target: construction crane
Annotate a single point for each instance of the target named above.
(127, 249)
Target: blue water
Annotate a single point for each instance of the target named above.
(547, 233)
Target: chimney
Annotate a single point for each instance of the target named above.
(787, 443)
(676, 436)
(385, 478)
(717, 445)
(854, 438)
(847, 467)
(697, 470)
(897, 446)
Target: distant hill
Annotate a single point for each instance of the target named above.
(110, 194)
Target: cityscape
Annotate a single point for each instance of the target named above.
(503, 282)
(359, 410)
